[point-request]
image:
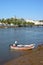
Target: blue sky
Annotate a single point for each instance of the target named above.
(28, 9)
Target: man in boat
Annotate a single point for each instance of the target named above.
(16, 43)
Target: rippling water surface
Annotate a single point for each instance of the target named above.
(24, 35)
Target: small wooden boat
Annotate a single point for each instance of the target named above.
(22, 47)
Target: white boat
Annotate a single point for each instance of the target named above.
(22, 47)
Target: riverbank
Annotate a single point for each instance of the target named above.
(31, 57)
(8, 26)
(18, 26)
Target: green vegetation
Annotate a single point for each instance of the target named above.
(17, 22)
(40, 20)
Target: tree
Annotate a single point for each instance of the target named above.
(8, 21)
(30, 23)
(3, 20)
(40, 20)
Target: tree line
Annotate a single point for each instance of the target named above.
(16, 21)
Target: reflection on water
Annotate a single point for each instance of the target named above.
(23, 35)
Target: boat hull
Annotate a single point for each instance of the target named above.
(26, 47)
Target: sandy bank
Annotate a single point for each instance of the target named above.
(32, 57)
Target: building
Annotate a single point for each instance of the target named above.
(36, 22)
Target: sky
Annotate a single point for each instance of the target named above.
(27, 9)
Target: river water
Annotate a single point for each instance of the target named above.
(24, 35)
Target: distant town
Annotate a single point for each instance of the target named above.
(36, 22)
(19, 22)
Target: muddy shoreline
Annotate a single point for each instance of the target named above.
(30, 57)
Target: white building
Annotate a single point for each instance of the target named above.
(11, 24)
(0, 24)
(36, 22)
(29, 20)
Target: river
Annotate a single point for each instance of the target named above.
(24, 35)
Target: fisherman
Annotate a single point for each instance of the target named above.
(16, 43)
